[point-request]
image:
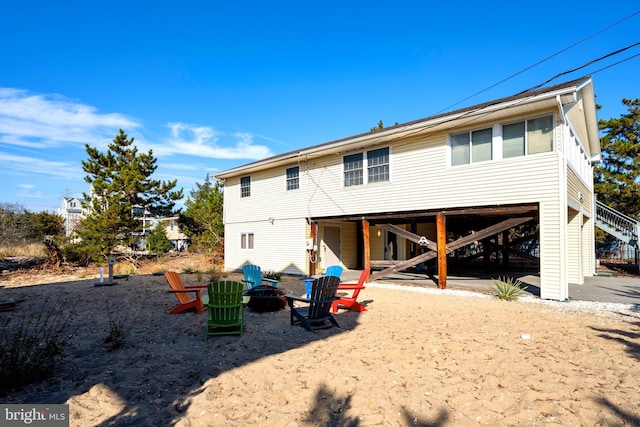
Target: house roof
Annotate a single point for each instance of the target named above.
(524, 102)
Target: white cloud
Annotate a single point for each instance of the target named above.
(39, 121)
(203, 141)
(27, 165)
(26, 186)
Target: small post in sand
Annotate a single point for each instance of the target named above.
(111, 261)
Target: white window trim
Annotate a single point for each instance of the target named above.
(250, 185)
(496, 140)
(245, 235)
(365, 168)
(286, 179)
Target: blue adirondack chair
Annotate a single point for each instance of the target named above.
(253, 277)
(332, 270)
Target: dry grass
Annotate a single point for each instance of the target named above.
(25, 249)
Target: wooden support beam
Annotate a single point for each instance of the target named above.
(441, 233)
(461, 242)
(421, 240)
(366, 242)
(312, 253)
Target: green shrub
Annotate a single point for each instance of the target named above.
(31, 347)
(215, 274)
(190, 270)
(507, 288)
(275, 275)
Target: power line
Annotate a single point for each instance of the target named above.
(542, 61)
(584, 65)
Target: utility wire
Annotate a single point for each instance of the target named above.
(541, 61)
(583, 66)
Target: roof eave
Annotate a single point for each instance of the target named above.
(422, 126)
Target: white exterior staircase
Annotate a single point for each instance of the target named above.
(619, 225)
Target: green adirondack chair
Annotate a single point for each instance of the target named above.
(225, 309)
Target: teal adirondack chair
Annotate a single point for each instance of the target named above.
(253, 277)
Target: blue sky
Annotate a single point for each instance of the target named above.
(210, 85)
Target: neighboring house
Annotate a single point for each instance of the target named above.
(175, 236)
(178, 239)
(394, 198)
(71, 211)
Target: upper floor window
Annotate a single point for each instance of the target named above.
(293, 178)
(375, 161)
(378, 165)
(353, 174)
(530, 136)
(471, 147)
(245, 186)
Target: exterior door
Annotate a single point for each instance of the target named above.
(331, 247)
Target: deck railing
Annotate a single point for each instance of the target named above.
(617, 224)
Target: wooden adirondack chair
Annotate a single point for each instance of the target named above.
(225, 309)
(183, 293)
(347, 300)
(316, 313)
(253, 277)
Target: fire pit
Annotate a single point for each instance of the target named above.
(266, 298)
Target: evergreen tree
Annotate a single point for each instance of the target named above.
(122, 192)
(617, 178)
(202, 219)
(158, 241)
(18, 225)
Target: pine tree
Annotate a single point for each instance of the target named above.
(122, 191)
(202, 220)
(617, 178)
(158, 241)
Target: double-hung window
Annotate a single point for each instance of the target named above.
(245, 186)
(293, 178)
(353, 174)
(246, 240)
(528, 137)
(376, 163)
(471, 147)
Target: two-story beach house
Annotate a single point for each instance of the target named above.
(71, 211)
(416, 193)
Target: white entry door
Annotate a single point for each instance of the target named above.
(331, 246)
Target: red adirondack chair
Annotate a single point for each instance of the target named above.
(182, 293)
(350, 301)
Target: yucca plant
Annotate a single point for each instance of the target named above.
(275, 275)
(506, 288)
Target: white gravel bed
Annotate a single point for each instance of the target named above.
(607, 309)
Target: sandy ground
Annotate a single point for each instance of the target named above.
(415, 357)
